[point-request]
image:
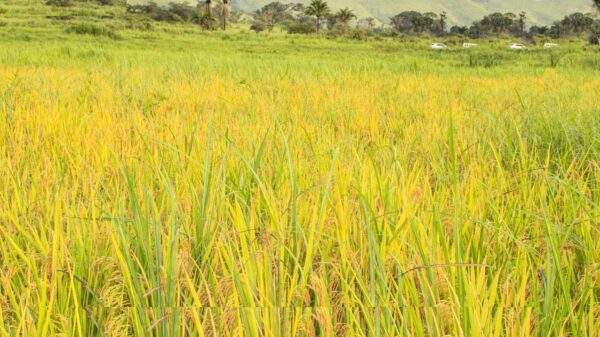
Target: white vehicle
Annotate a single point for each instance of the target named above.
(438, 45)
(550, 45)
(469, 45)
(516, 46)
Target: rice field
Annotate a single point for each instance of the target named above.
(239, 185)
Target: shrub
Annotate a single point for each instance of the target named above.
(301, 28)
(112, 2)
(360, 34)
(455, 40)
(258, 27)
(59, 3)
(539, 39)
(337, 30)
(95, 30)
(387, 32)
(594, 39)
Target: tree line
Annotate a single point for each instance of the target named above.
(297, 18)
(413, 23)
(208, 14)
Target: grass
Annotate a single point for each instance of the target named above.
(93, 30)
(204, 184)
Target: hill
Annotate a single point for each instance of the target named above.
(459, 11)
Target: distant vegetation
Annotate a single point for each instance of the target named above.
(96, 30)
(317, 17)
(296, 18)
(412, 23)
(68, 3)
(205, 14)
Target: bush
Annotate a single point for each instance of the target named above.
(337, 30)
(594, 39)
(387, 32)
(95, 30)
(301, 28)
(258, 27)
(455, 40)
(112, 2)
(360, 34)
(539, 39)
(59, 3)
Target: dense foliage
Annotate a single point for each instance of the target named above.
(296, 17)
(415, 23)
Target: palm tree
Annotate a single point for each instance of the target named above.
(597, 6)
(205, 17)
(225, 10)
(345, 15)
(318, 9)
(208, 7)
(521, 23)
(443, 23)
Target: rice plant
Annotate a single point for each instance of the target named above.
(185, 187)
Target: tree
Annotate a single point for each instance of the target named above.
(539, 30)
(273, 13)
(427, 22)
(459, 30)
(225, 11)
(208, 7)
(345, 15)
(575, 24)
(368, 23)
(319, 9)
(521, 23)
(181, 12)
(497, 23)
(257, 27)
(595, 38)
(406, 22)
(206, 18)
(411, 22)
(443, 23)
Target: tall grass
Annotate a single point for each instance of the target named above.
(326, 191)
